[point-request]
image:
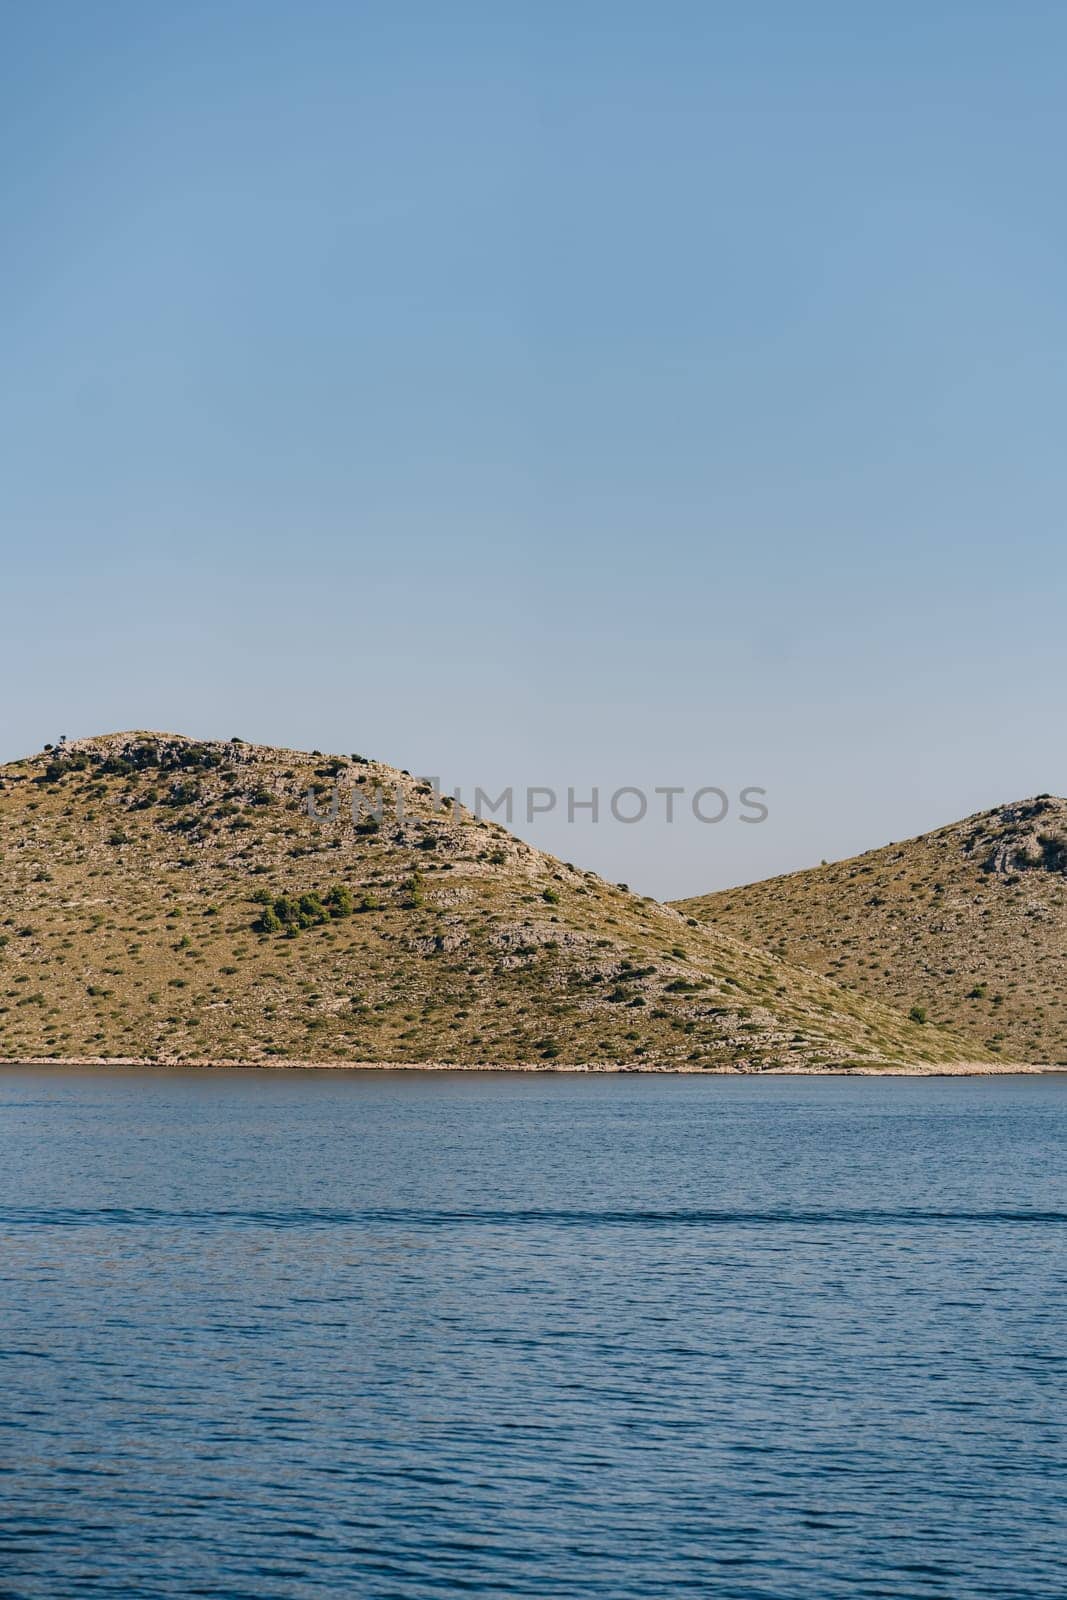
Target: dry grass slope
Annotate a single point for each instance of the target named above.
(168, 899)
(968, 924)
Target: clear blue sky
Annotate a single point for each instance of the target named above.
(547, 393)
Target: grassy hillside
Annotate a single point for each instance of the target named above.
(168, 899)
(969, 924)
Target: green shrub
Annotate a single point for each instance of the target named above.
(308, 910)
(1054, 851)
(339, 901)
(183, 794)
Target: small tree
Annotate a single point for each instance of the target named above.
(311, 910)
(339, 901)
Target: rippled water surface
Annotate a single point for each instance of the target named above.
(391, 1335)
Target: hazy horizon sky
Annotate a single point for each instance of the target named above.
(544, 394)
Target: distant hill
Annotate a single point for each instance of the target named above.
(165, 898)
(968, 923)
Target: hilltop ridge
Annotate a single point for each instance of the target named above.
(967, 923)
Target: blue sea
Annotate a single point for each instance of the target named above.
(404, 1335)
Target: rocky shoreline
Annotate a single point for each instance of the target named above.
(978, 1069)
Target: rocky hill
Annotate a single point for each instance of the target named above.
(967, 924)
(164, 898)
